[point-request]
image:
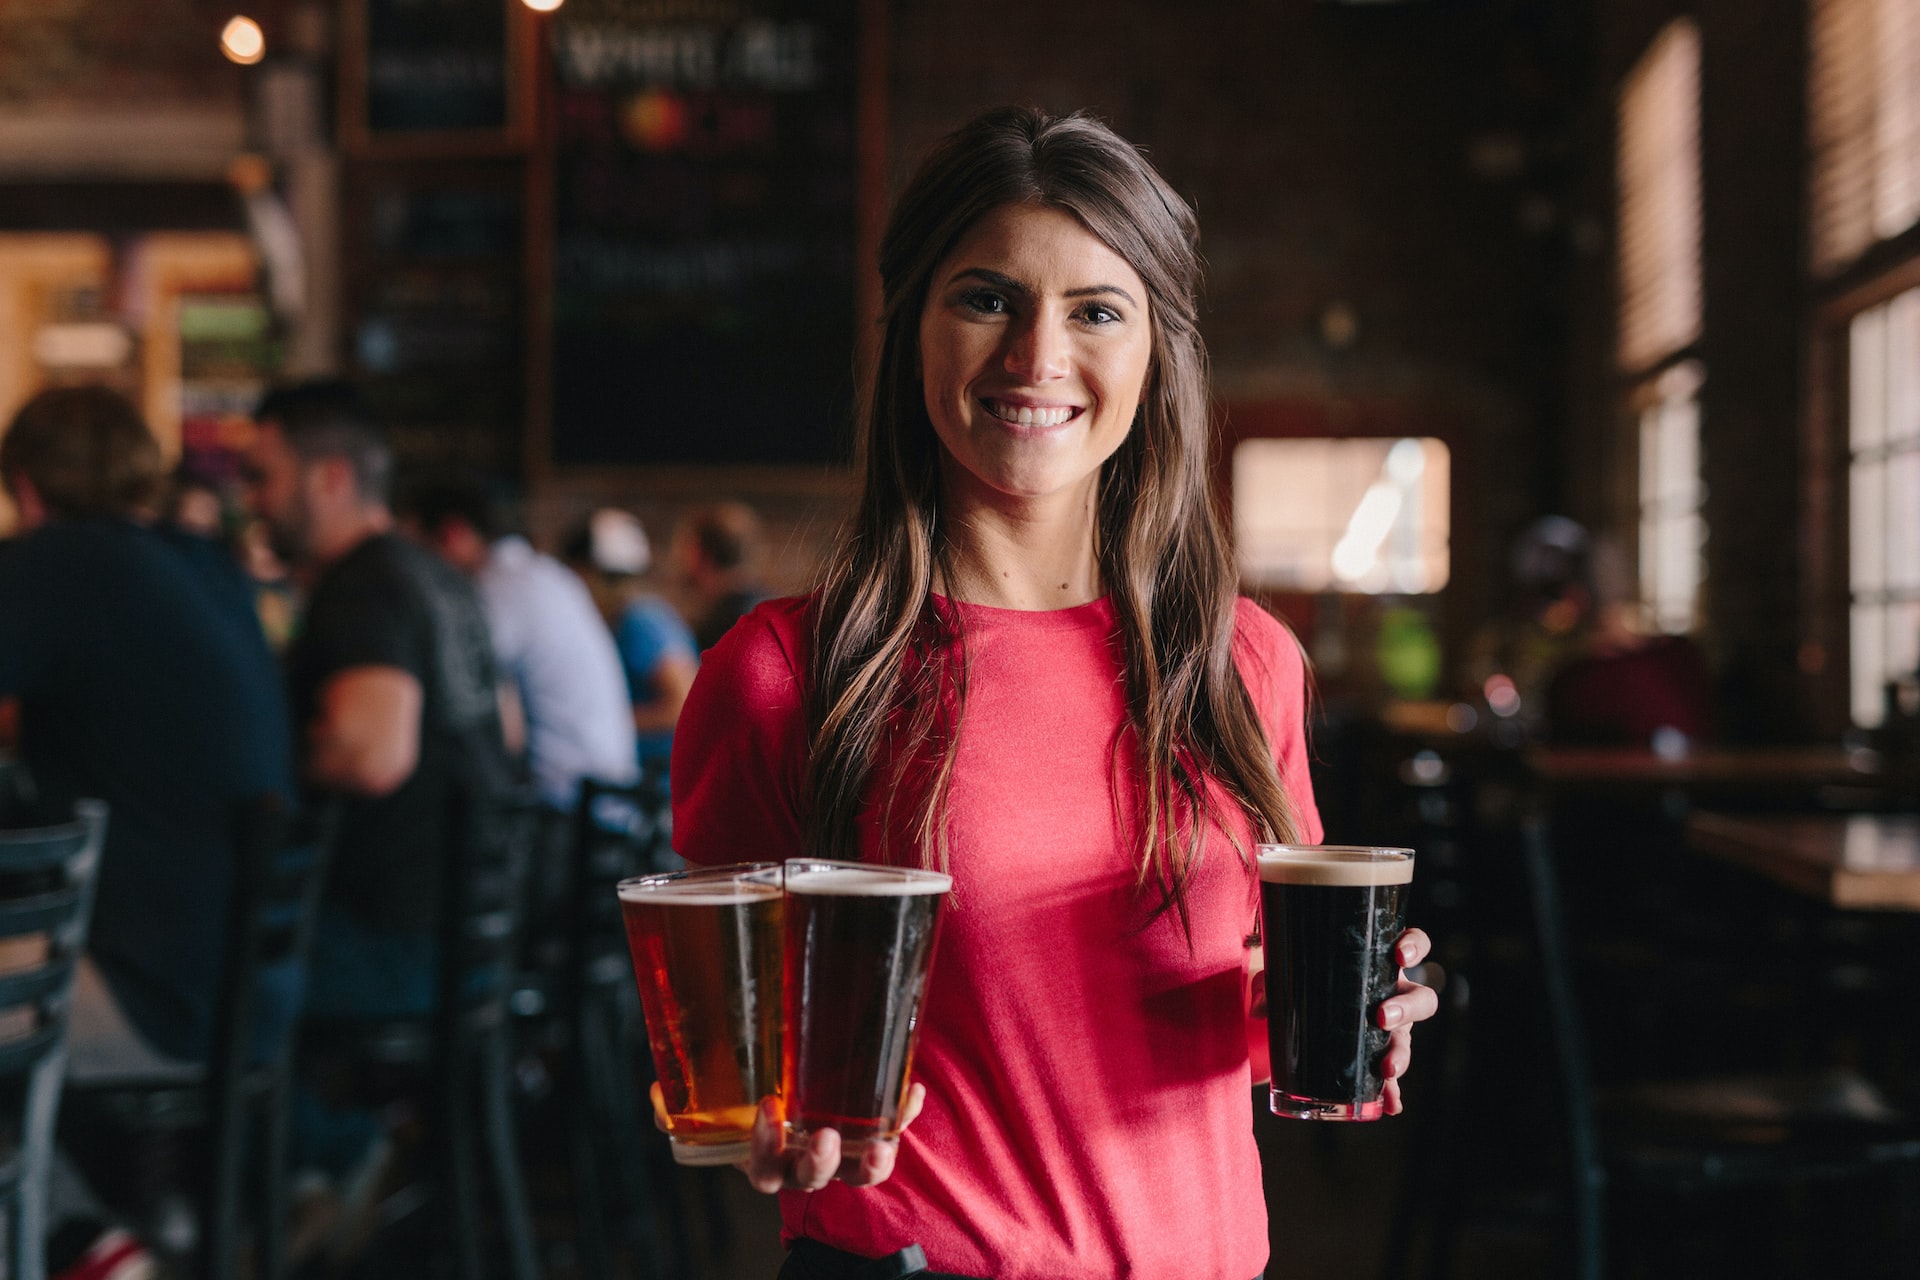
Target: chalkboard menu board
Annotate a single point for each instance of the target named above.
(435, 300)
(704, 231)
(435, 65)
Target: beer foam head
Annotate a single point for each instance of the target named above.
(704, 889)
(1332, 864)
(857, 880)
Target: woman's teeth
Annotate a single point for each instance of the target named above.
(1026, 416)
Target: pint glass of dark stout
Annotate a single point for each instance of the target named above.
(706, 953)
(1331, 914)
(859, 946)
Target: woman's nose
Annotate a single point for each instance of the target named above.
(1037, 349)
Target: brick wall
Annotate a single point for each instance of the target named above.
(1409, 162)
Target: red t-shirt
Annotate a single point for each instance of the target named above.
(1089, 1091)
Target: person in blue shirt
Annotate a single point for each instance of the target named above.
(610, 552)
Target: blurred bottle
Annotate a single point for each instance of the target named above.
(1408, 653)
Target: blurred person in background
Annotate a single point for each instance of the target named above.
(715, 554)
(143, 681)
(393, 690)
(197, 514)
(1629, 684)
(611, 554)
(552, 648)
(194, 504)
(1549, 618)
(1573, 656)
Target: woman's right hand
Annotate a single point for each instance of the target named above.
(772, 1167)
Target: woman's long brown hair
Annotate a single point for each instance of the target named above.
(888, 672)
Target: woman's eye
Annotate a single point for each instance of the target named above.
(984, 301)
(1099, 313)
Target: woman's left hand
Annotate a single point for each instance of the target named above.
(1409, 1004)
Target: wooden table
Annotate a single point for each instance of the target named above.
(1862, 861)
(1705, 766)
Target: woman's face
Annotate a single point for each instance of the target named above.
(1034, 347)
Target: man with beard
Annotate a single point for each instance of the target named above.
(393, 690)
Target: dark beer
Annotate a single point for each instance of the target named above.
(1331, 916)
(706, 954)
(859, 945)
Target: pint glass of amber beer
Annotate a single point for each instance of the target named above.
(858, 948)
(1330, 916)
(706, 953)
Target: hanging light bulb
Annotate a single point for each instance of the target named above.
(243, 41)
(543, 6)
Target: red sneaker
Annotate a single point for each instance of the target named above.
(116, 1254)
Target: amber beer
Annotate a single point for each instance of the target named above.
(858, 947)
(1331, 915)
(706, 954)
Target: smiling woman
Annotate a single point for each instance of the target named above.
(1028, 665)
(1033, 365)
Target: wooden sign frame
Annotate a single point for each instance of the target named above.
(513, 138)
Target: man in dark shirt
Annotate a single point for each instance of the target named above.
(393, 689)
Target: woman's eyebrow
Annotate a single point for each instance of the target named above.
(1009, 284)
(994, 278)
(1094, 290)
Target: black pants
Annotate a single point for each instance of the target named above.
(811, 1260)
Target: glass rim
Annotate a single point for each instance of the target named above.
(635, 887)
(933, 881)
(1334, 852)
(1330, 865)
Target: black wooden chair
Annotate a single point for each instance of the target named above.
(619, 831)
(47, 876)
(240, 1105)
(456, 1061)
(1639, 1143)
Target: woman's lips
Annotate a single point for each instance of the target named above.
(1029, 415)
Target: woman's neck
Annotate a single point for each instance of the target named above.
(1030, 555)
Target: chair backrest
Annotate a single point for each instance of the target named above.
(620, 830)
(489, 838)
(47, 876)
(280, 864)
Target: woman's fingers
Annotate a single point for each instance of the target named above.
(1412, 948)
(1411, 1003)
(916, 1099)
(766, 1163)
(772, 1165)
(659, 1106)
(817, 1162)
(874, 1165)
(1399, 1055)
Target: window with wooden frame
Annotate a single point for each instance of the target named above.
(1673, 533)
(1864, 249)
(1883, 492)
(1658, 174)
